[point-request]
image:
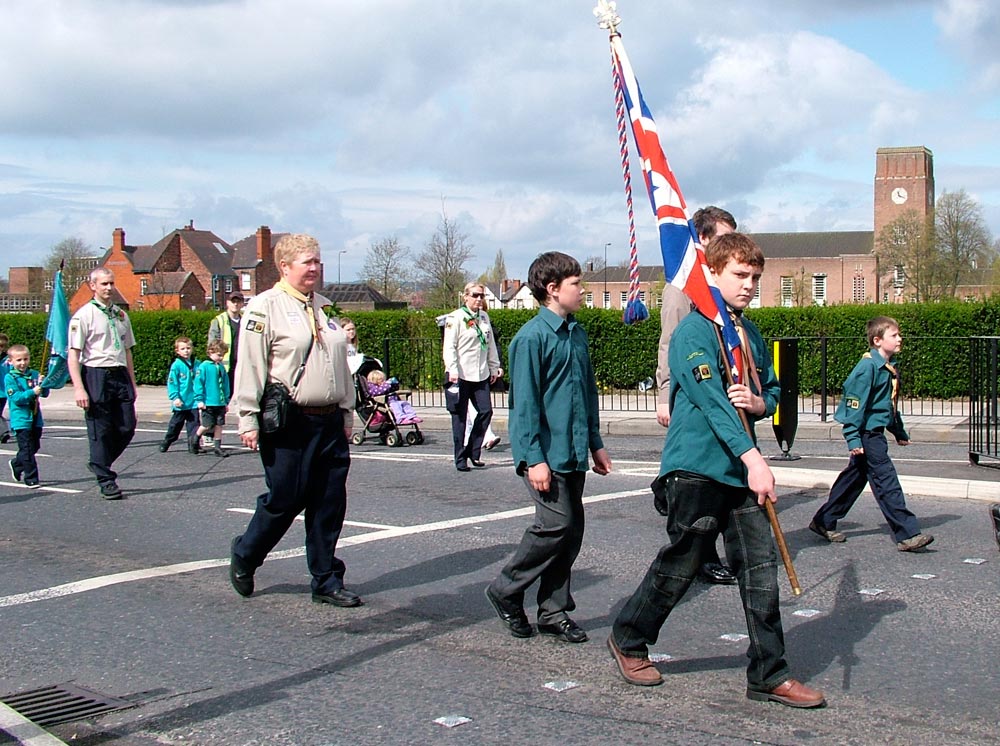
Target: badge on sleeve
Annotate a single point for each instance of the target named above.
(257, 327)
(853, 403)
(701, 372)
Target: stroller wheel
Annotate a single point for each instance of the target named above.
(393, 440)
(412, 438)
(358, 438)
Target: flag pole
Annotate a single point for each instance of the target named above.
(772, 516)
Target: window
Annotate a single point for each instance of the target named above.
(819, 289)
(858, 289)
(590, 300)
(143, 286)
(245, 281)
(642, 296)
(219, 247)
(624, 301)
(786, 291)
(215, 283)
(607, 299)
(898, 277)
(229, 284)
(755, 301)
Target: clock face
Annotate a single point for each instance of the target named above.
(899, 195)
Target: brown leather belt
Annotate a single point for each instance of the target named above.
(328, 409)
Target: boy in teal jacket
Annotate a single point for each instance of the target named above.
(21, 386)
(211, 395)
(867, 410)
(180, 391)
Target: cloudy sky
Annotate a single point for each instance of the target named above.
(354, 121)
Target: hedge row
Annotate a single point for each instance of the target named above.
(934, 359)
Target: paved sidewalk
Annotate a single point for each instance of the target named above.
(152, 407)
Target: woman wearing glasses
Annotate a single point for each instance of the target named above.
(471, 362)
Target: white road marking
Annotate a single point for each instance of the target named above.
(90, 584)
(23, 730)
(300, 517)
(45, 488)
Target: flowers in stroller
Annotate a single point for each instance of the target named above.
(383, 408)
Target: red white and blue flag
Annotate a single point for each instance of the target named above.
(684, 261)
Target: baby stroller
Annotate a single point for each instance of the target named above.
(376, 413)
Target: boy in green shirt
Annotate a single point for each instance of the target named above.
(714, 479)
(554, 425)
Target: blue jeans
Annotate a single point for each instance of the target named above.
(873, 467)
(697, 508)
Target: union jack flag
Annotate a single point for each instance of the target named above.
(684, 261)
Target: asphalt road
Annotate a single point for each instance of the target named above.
(131, 599)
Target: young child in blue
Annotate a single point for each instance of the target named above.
(22, 391)
(180, 391)
(867, 410)
(211, 395)
(4, 369)
(554, 431)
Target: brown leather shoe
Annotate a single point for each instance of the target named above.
(791, 693)
(638, 671)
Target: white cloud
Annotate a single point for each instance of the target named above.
(972, 27)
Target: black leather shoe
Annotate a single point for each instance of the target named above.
(712, 572)
(512, 617)
(111, 491)
(340, 597)
(242, 581)
(462, 466)
(476, 463)
(164, 445)
(565, 629)
(995, 515)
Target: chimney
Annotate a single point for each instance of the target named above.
(118, 240)
(264, 253)
(504, 284)
(190, 225)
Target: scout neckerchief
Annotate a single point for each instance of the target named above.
(26, 377)
(472, 321)
(307, 303)
(746, 361)
(112, 313)
(895, 383)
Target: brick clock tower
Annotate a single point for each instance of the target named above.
(904, 180)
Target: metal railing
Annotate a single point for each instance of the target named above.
(824, 363)
(984, 424)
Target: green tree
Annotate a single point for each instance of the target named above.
(441, 265)
(906, 248)
(496, 273)
(963, 240)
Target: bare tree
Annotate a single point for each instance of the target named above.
(906, 247)
(385, 267)
(441, 264)
(593, 264)
(963, 240)
(77, 257)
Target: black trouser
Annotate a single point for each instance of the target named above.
(110, 418)
(548, 549)
(305, 467)
(29, 441)
(478, 392)
(178, 419)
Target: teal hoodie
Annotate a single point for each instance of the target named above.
(25, 413)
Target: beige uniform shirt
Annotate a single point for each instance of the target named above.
(102, 342)
(274, 338)
(675, 306)
(464, 355)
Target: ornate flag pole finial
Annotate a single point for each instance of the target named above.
(607, 15)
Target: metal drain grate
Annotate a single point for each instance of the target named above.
(62, 703)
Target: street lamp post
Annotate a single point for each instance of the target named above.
(339, 254)
(605, 301)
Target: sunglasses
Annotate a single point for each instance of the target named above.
(477, 295)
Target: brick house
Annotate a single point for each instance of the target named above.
(187, 269)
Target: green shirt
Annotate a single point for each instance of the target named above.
(706, 436)
(553, 396)
(867, 401)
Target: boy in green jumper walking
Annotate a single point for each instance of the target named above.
(715, 478)
(867, 410)
(211, 395)
(554, 425)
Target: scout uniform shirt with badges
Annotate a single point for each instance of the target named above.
(102, 334)
(706, 436)
(467, 335)
(871, 392)
(275, 336)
